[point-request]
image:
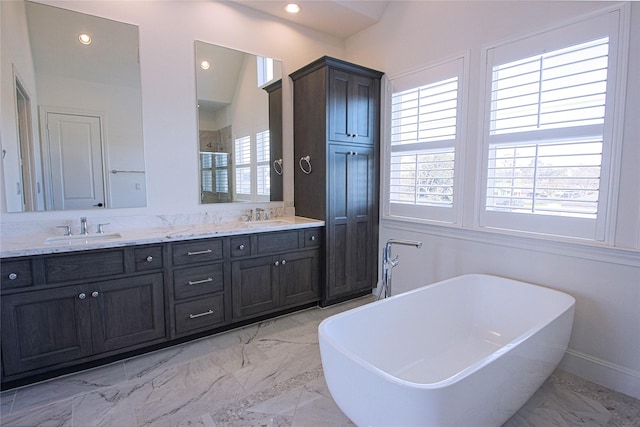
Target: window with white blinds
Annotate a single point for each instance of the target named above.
(206, 171)
(424, 133)
(222, 172)
(243, 166)
(548, 130)
(263, 186)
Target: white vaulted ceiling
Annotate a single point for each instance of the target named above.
(340, 18)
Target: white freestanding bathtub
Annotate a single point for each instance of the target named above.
(467, 351)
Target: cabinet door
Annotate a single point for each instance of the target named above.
(126, 312)
(254, 284)
(44, 328)
(299, 273)
(352, 108)
(351, 204)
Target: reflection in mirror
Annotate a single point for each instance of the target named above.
(239, 125)
(77, 113)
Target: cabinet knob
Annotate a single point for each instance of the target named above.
(149, 258)
(284, 261)
(277, 263)
(241, 247)
(312, 238)
(82, 296)
(13, 276)
(95, 294)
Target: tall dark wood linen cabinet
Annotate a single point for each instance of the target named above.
(336, 152)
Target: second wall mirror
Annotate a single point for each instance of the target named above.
(239, 99)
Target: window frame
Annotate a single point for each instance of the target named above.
(455, 66)
(612, 23)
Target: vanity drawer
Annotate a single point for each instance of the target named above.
(80, 266)
(16, 274)
(148, 258)
(202, 313)
(312, 238)
(240, 246)
(197, 251)
(189, 282)
(277, 242)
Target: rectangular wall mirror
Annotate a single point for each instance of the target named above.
(239, 125)
(78, 111)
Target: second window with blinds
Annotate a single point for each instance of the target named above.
(426, 137)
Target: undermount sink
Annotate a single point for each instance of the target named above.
(266, 223)
(83, 238)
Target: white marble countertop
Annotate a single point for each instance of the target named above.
(47, 244)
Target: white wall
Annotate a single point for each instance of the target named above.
(21, 64)
(605, 344)
(168, 30)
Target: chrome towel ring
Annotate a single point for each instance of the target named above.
(302, 161)
(277, 166)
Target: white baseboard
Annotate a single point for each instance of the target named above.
(601, 372)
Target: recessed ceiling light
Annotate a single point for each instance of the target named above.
(84, 38)
(205, 65)
(292, 8)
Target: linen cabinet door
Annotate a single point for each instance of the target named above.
(127, 312)
(339, 258)
(360, 199)
(351, 204)
(254, 286)
(44, 328)
(352, 107)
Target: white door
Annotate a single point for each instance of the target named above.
(75, 149)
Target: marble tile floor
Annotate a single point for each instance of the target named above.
(267, 374)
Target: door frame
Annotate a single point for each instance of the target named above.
(24, 121)
(44, 110)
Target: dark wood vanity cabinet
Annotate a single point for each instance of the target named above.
(79, 306)
(199, 298)
(62, 310)
(336, 127)
(287, 277)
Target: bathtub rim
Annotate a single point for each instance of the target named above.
(460, 375)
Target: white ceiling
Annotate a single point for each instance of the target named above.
(340, 18)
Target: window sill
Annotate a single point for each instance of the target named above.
(583, 249)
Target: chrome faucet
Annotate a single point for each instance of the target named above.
(388, 263)
(83, 225)
(259, 212)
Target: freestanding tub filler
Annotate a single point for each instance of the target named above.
(467, 351)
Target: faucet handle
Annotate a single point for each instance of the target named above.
(100, 229)
(67, 229)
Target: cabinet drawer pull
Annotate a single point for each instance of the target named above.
(197, 282)
(241, 247)
(13, 276)
(208, 251)
(149, 258)
(82, 296)
(312, 238)
(284, 261)
(195, 316)
(277, 263)
(95, 294)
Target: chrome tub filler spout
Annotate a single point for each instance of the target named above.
(388, 263)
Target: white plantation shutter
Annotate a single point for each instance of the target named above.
(243, 166)
(263, 164)
(548, 130)
(424, 130)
